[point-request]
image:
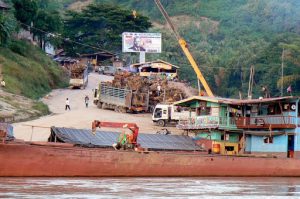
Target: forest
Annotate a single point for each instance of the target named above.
(226, 37)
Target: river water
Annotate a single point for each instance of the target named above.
(42, 188)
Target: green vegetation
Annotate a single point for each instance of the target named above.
(226, 37)
(28, 71)
(101, 25)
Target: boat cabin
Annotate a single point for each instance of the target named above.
(271, 125)
(258, 126)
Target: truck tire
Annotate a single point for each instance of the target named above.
(123, 109)
(99, 105)
(161, 123)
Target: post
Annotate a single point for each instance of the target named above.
(282, 64)
(31, 133)
(142, 57)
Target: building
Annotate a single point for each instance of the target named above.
(256, 126)
(3, 6)
(158, 67)
(95, 59)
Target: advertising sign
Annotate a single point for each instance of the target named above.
(141, 42)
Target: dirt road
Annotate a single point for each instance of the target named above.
(79, 116)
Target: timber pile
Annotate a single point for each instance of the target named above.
(77, 71)
(141, 86)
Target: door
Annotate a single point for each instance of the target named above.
(291, 141)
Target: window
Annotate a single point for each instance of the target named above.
(229, 148)
(268, 140)
(158, 113)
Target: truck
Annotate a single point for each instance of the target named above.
(168, 113)
(79, 77)
(107, 70)
(120, 99)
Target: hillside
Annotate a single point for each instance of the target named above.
(236, 35)
(227, 37)
(28, 72)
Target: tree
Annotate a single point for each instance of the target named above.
(7, 27)
(25, 11)
(101, 25)
(47, 24)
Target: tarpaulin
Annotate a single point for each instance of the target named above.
(85, 137)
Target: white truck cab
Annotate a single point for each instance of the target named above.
(165, 113)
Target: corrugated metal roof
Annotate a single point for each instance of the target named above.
(151, 62)
(231, 101)
(107, 138)
(255, 101)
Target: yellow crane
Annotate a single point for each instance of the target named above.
(185, 49)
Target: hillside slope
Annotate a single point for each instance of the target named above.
(227, 37)
(28, 72)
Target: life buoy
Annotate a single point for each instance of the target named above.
(293, 107)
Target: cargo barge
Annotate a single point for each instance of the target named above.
(57, 159)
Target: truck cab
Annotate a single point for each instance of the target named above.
(168, 113)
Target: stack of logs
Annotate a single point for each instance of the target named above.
(77, 71)
(141, 86)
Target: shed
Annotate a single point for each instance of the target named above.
(157, 67)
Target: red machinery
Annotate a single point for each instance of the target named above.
(132, 126)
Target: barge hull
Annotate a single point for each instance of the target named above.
(63, 160)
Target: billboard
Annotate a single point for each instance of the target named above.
(141, 42)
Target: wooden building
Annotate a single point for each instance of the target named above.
(158, 67)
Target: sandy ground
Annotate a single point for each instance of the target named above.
(79, 116)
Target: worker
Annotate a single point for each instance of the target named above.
(67, 104)
(158, 89)
(125, 139)
(86, 100)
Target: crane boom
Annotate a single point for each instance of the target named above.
(185, 49)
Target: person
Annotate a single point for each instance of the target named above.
(158, 89)
(2, 83)
(86, 100)
(67, 104)
(137, 45)
(125, 139)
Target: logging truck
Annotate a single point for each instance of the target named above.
(120, 99)
(79, 77)
(165, 113)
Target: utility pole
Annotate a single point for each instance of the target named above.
(282, 64)
(251, 80)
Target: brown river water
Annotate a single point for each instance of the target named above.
(43, 188)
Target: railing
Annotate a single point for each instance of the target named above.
(204, 122)
(267, 121)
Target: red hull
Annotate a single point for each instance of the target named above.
(64, 160)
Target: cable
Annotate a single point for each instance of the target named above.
(67, 39)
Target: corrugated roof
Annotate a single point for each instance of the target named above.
(230, 100)
(85, 137)
(157, 61)
(255, 101)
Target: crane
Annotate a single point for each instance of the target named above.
(185, 49)
(132, 126)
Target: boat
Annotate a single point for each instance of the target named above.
(58, 159)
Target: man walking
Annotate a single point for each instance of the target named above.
(86, 100)
(67, 104)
